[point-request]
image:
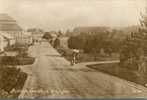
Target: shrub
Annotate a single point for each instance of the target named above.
(132, 52)
(75, 42)
(16, 60)
(11, 77)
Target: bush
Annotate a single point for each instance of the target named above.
(47, 36)
(17, 47)
(132, 52)
(10, 77)
(8, 60)
(93, 43)
(75, 42)
(16, 60)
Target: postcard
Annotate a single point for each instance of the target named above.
(53, 49)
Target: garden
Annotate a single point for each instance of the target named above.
(12, 78)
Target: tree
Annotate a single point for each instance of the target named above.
(59, 33)
(134, 48)
(57, 43)
(76, 42)
(47, 36)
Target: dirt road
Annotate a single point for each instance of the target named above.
(52, 76)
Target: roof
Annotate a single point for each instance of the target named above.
(7, 23)
(6, 17)
(5, 35)
(10, 27)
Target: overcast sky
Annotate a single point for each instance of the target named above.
(63, 14)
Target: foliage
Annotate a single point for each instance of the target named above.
(76, 42)
(47, 36)
(134, 48)
(93, 43)
(16, 60)
(59, 33)
(131, 51)
(56, 43)
(9, 78)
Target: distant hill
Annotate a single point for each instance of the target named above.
(89, 29)
(120, 32)
(129, 29)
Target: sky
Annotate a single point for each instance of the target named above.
(67, 14)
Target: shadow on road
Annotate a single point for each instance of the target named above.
(72, 69)
(54, 55)
(121, 72)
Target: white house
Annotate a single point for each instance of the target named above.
(6, 40)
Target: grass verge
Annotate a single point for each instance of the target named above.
(121, 72)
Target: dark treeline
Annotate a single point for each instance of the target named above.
(109, 41)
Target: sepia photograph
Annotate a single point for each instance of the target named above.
(59, 49)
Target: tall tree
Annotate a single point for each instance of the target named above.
(134, 47)
(59, 33)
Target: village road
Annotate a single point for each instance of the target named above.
(52, 76)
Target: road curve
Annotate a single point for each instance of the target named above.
(53, 77)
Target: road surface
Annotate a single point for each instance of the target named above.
(52, 76)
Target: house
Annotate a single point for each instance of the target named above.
(5, 40)
(9, 26)
(11, 40)
(25, 38)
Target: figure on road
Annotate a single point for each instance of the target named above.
(75, 53)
